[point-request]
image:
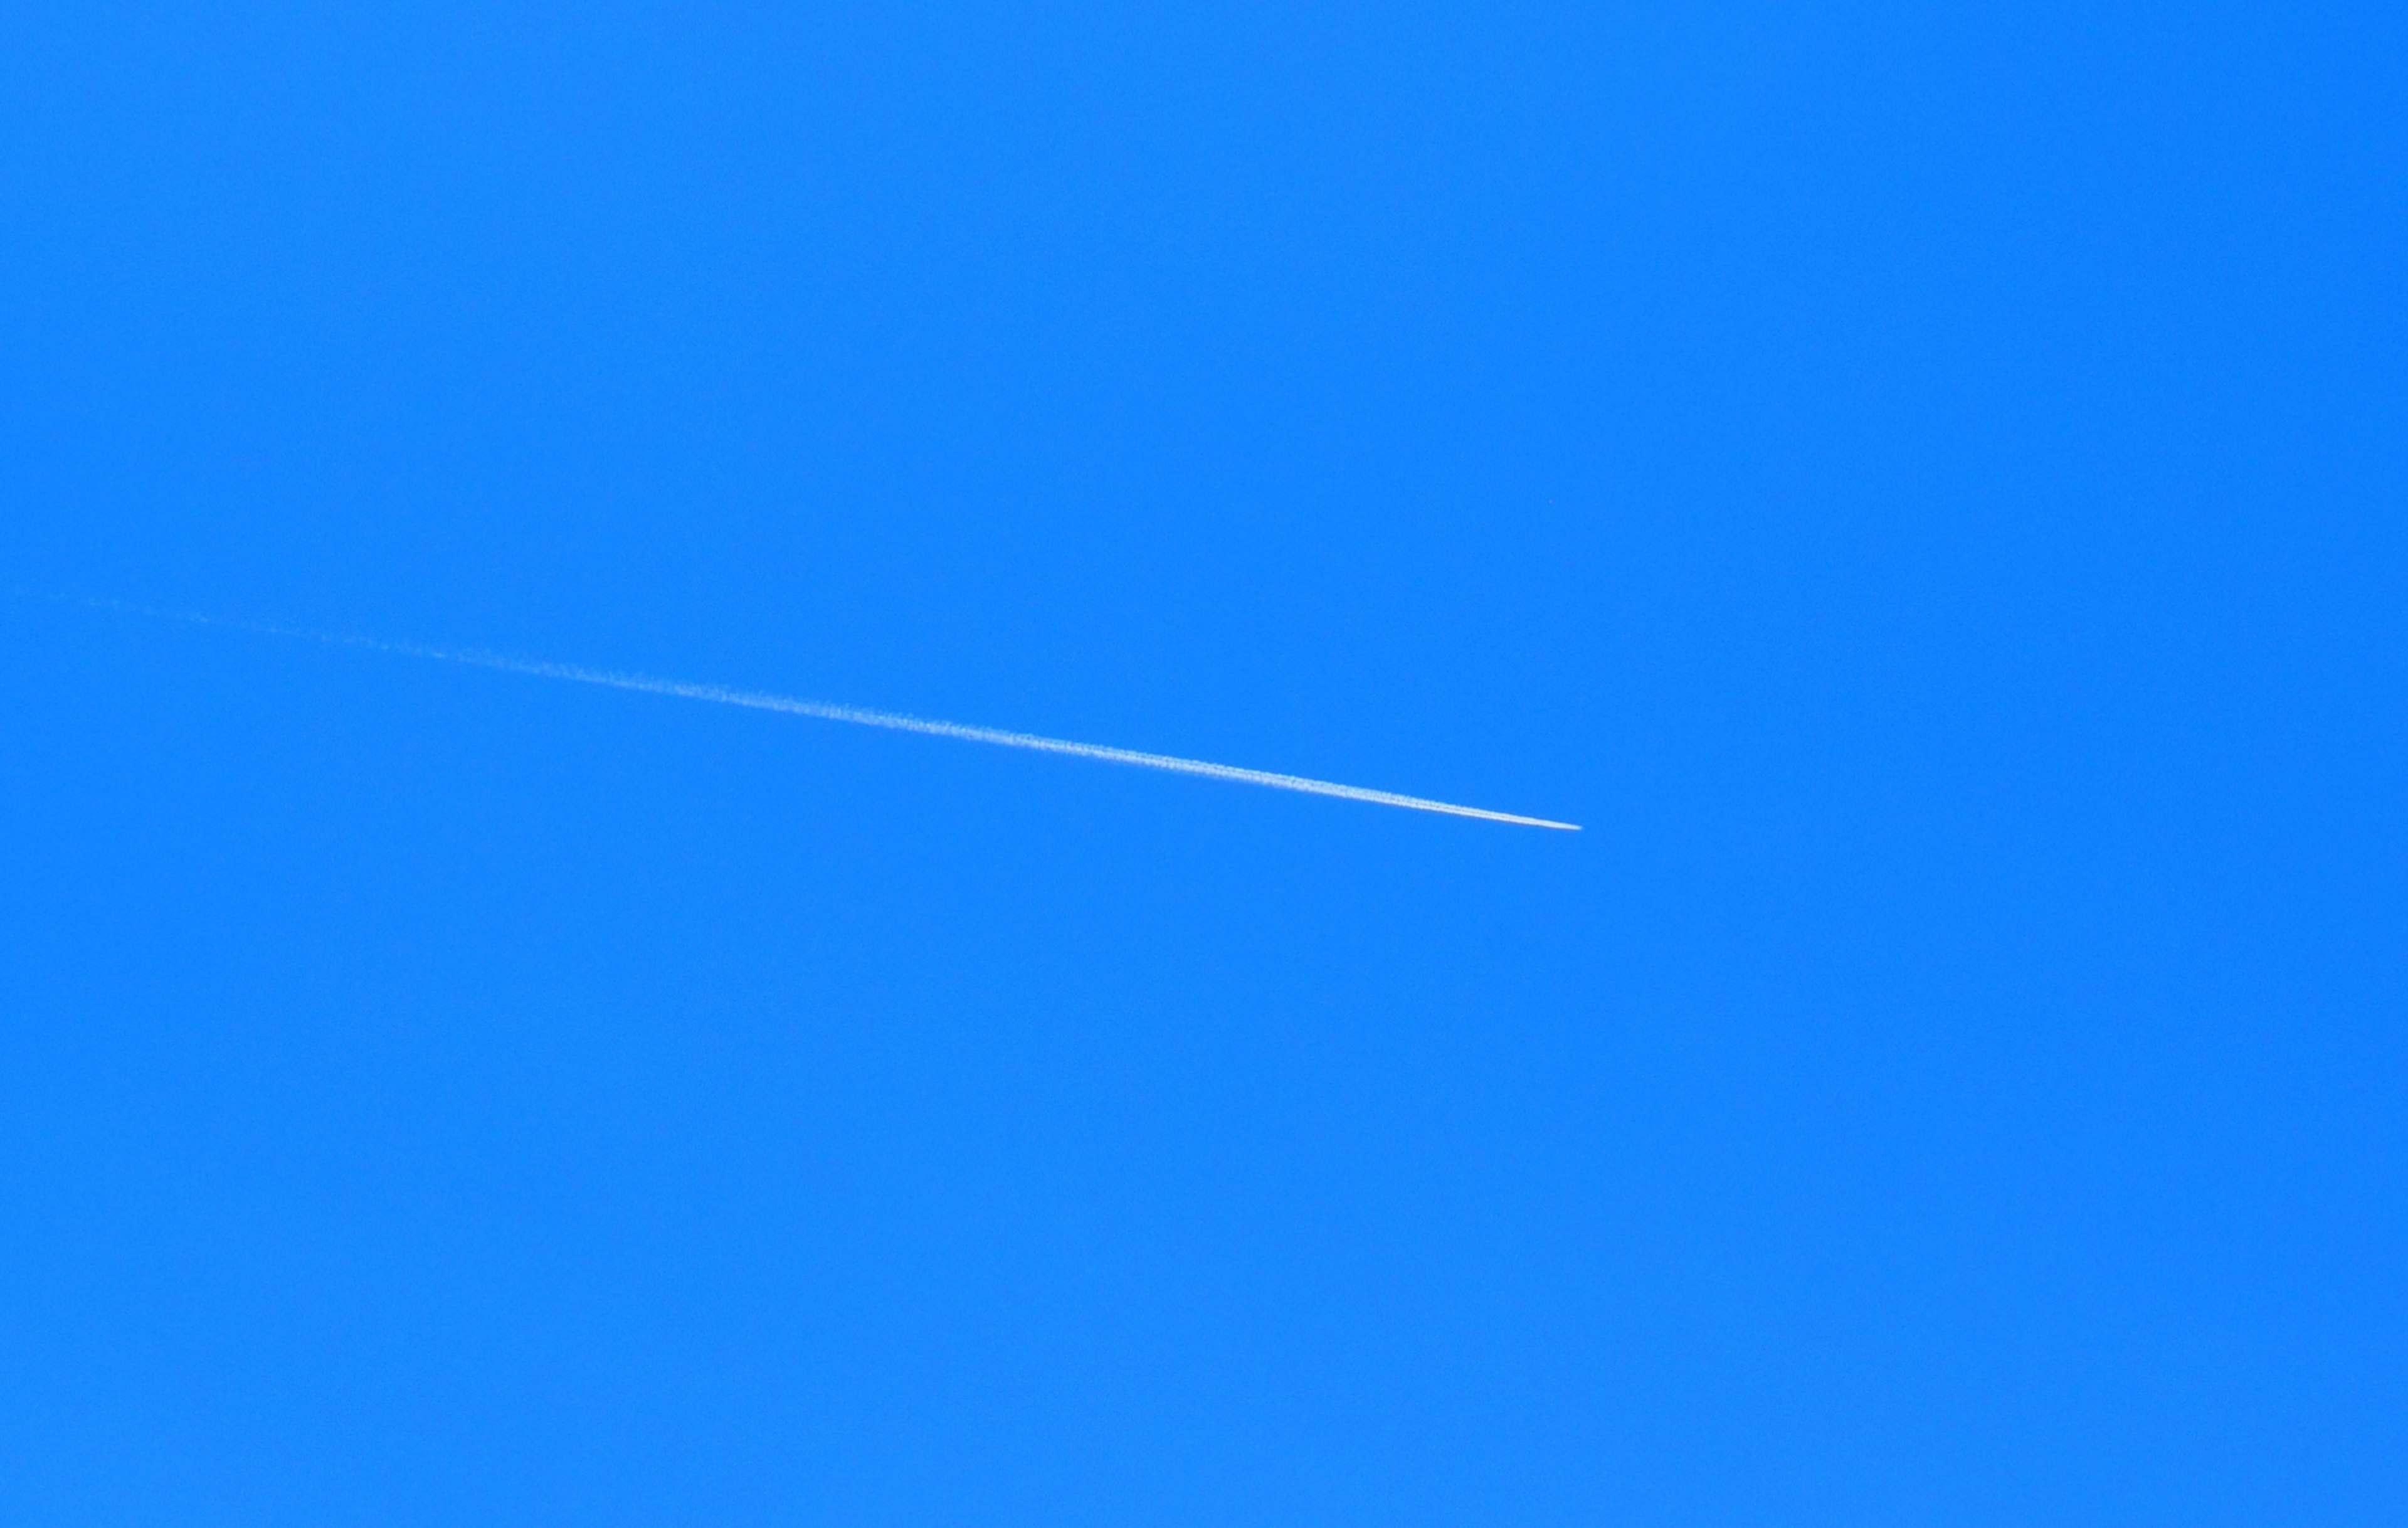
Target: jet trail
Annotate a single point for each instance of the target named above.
(721, 695)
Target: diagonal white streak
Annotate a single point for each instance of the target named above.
(721, 695)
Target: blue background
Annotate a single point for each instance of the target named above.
(1923, 484)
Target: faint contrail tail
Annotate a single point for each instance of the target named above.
(757, 702)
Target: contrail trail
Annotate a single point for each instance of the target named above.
(721, 695)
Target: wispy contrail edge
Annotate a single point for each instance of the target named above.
(892, 721)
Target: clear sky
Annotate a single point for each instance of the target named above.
(1923, 486)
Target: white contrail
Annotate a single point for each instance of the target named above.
(758, 701)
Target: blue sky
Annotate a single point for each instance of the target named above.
(1922, 486)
